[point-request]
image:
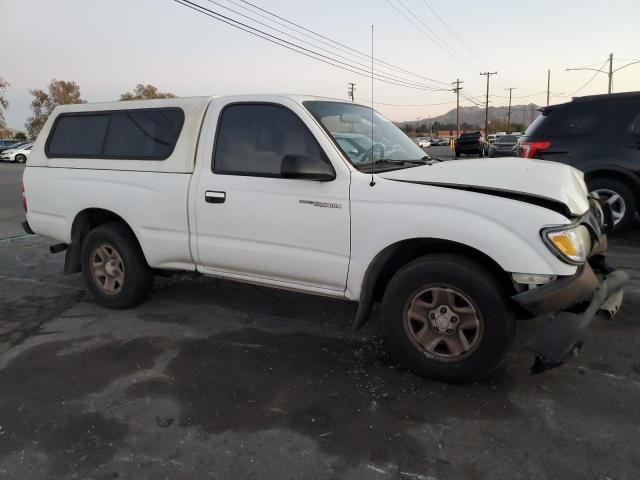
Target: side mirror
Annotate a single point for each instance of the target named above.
(305, 167)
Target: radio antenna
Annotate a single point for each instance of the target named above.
(372, 183)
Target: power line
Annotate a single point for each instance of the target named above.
(440, 40)
(590, 80)
(301, 50)
(359, 64)
(452, 32)
(439, 43)
(330, 41)
(471, 99)
(405, 104)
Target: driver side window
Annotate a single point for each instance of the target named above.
(253, 139)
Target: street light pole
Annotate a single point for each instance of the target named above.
(549, 85)
(608, 72)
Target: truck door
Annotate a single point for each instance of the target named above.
(251, 223)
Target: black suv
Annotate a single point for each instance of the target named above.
(471, 143)
(600, 135)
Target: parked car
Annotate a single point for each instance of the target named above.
(439, 142)
(5, 144)
(423, 142)
(491, 138)
(600, 135)
(506, 145)
(13, 146)
(471, 144)
(257, 189)
(17, 155)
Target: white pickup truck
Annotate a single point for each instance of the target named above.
(330, 198)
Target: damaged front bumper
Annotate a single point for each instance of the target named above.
(595, 291)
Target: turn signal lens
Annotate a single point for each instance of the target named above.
(573, 244)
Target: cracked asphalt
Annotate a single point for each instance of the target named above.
(213, 379)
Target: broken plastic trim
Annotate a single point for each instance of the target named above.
(561, 337)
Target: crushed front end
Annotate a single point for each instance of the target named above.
(594, 291)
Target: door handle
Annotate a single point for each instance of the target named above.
(214, 197)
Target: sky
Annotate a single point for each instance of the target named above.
(110, 46)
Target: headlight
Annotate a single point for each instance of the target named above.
(571, 244)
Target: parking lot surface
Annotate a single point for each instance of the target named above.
(213, 379)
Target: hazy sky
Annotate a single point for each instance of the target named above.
(110, 46)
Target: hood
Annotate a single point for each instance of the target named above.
(535, 181)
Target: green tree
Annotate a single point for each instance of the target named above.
(517, 127)
(60, 92)
(19, 136)
(145, 92)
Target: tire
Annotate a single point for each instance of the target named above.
(20, 158)
(474, 288)
(623, 207)
(114, 268)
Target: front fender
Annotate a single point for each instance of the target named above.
(505, 230)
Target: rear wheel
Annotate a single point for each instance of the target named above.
(447, 318)
(620, 199)
(114, 268)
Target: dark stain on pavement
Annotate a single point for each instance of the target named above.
(41, 402)
(334, 390)
(23, 317)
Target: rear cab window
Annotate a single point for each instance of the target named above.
(136, 134)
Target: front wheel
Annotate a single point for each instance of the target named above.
(20, 158)
(114, 268)
(447, 318)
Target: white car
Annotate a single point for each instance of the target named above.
(263, 189)
(423, 142)
(18, 155)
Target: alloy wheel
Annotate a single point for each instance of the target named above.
(107, 269)
(616, 203)
(443, 323)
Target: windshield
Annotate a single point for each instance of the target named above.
(351, 129)
(508, 139)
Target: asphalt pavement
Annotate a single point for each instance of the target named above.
(214, 379)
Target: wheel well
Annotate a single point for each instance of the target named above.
(85, 221)
(613, 175)
(408, 250)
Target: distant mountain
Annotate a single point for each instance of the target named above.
(475, 115)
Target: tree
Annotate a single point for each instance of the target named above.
(517, 127)
(60, 92)
(19, 136)
(4, 104)
(145, 92)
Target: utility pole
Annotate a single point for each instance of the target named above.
(610, 71)
(352, 90)
(549, 84)
(511, 89)
(456, 90)
(486, 108)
